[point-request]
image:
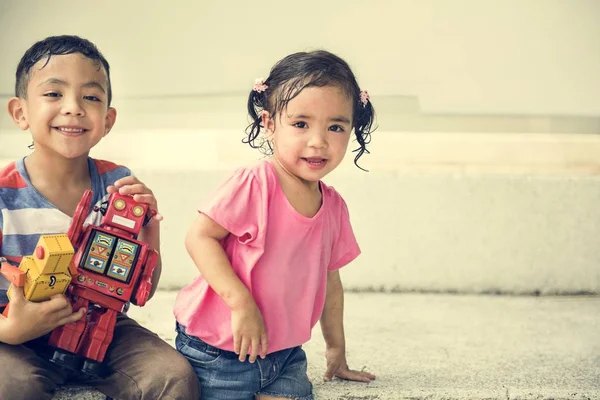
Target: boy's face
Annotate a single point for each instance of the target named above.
(66, 108)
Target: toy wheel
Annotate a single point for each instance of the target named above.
(81, 213)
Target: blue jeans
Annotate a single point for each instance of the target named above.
(224, 377)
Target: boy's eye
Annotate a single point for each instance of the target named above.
(92, 98)
(52, 94)
(300, 124)
(337, 128)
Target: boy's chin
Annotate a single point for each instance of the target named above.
(69, 155)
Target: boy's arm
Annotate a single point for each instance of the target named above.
(150, 234)
(27, 320)
(203, 245)
(332, 326)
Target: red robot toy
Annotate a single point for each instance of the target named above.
(110, 268)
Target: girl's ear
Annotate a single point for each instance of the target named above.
(267, 123)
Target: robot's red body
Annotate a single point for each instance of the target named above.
(109, 269)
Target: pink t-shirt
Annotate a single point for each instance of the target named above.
(280, 255)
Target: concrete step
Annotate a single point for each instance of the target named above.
(449, 347)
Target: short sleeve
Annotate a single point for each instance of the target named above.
(239, 205)
(345, 247)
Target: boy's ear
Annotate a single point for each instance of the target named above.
(17, 110)
(267, 122)
(111, 118)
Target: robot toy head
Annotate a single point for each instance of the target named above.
(124, 213)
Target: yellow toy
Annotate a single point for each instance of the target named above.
(44, 273)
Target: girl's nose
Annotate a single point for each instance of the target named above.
(317, 140)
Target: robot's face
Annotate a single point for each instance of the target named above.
(124, 213)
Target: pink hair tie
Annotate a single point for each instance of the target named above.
(259, 85)
(364, 97)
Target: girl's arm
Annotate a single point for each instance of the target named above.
(202, 243)
(332, 326)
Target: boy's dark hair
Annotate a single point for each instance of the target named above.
(58, 46)
(293, 74)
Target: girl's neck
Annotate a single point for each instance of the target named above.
(283, 172)
(304, 196)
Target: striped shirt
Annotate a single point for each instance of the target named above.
(26, 214)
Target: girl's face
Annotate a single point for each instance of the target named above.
(311, 135)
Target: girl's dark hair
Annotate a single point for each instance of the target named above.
(58, 46)
(293, 74)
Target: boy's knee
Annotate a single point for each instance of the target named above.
(26, 387)
(175, 379)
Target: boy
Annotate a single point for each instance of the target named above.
(63, 96)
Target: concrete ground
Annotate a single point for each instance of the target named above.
(438, 347)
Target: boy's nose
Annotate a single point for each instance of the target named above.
(72, 107)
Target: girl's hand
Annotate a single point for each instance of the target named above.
(337, 366)
(249, 333)
(140, 192)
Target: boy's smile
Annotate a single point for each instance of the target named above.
(70, 130)
(66, 108)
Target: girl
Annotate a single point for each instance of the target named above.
(270, 242)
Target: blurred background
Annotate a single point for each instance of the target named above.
(483, 174)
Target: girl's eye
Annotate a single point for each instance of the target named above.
(300, 124)
(336, 128)
(52, 94)
(92, 98)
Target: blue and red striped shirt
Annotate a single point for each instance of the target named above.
(26, 214)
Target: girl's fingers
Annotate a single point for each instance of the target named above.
(254, 349)
(263, 345)
(244, 349)
(357, 376)
(237, 343)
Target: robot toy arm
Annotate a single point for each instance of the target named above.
(13, 274)
(145, 283)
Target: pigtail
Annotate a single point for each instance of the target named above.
(257, 102)
(363, 127)
(254, 109)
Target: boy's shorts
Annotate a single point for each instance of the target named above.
(223, 376)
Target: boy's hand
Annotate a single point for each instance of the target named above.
(249, 333)
(140, 192)
(28, 320)
(337, 366)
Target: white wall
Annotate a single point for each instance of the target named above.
(456, 56)
(484, 172)
(467, 212)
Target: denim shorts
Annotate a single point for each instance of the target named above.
(224, 377)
